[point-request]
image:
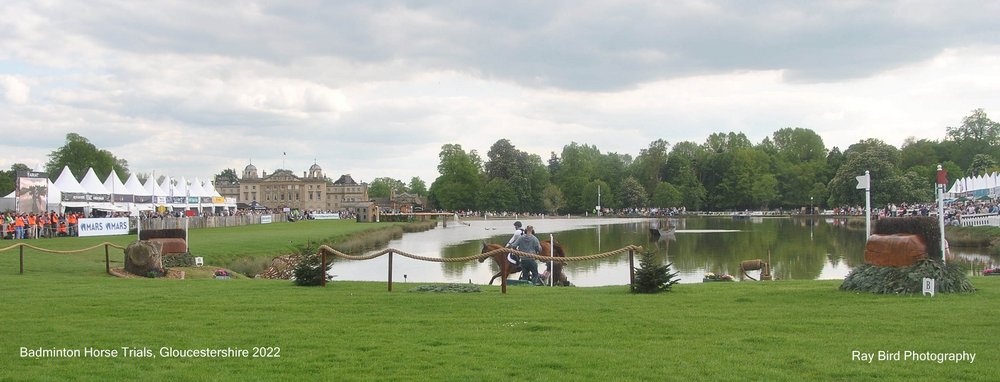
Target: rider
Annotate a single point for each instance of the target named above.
(512, 258)
(529, 243)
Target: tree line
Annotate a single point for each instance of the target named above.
(790, 169)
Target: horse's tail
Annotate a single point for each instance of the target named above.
(559, 250)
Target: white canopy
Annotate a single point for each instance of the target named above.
(92, 184)
(135, 187)
(166, 187)
(67, 182)
(155, 189)
(197, 190)
(114, 184)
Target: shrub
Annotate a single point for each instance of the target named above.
(249, 265)
(171, 260)
(308, 271)
(449, 288)
(895, 280)
(651, 277)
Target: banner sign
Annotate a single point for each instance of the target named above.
(265, 219)
(161, 200)
(218, 200)
(206, 199)
(98, 198)
(103, 226)
(326, 216)
(74, 197)
(230, 200)
(177, 200)
(124, 198)
(32, 192)
(143, 199)
(192, 200)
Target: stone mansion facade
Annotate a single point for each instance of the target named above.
(310, 192)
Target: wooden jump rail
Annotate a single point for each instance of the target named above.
(107, 256)
(631, 249)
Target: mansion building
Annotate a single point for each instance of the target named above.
(283, 189)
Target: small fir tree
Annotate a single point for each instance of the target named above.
(651, 277)
(308, 271)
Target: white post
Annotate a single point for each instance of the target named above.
(187, 248)
(940, 194)
(138, 227)
(865, 182)
(868, 206)
(552, 256)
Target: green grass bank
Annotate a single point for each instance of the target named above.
(783, 330)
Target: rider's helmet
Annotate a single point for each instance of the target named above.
(517, 224)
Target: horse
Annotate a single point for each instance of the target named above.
(501, 257)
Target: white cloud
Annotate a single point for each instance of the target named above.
(16, 91)
(188, 88)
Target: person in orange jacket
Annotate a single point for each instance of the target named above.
(19, 227)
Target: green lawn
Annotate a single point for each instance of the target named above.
(218, 246)
(783, 330)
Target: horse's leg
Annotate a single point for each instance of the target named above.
(495, 277)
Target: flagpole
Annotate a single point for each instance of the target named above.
(941, 183)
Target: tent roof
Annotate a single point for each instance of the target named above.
(92, 184)
(197, 190)
(153, 188)
(114, 183)
(135, 187)
(67, 182)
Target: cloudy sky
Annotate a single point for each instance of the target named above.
(375, 88)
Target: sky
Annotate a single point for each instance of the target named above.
(375, 88)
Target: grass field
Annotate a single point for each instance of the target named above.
(784, 330)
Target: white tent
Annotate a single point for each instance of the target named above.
(114, 185)
(135, 188)
(67, 184)
(165, 186)
(95, 188)
(154, 189)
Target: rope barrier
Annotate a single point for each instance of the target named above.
(113, 245)
(327, 249)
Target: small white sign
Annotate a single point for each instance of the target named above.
(928, 286)
(103, 226)
(265, 219)
(864, 181)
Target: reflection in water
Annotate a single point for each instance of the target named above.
(797, 248)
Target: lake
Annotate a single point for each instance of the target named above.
(798, 248)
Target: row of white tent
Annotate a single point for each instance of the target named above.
(981, 183)
(113, 195)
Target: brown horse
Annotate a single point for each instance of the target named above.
(501, 257)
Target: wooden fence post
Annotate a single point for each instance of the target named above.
(21, 250)
(631, 269)
(107, 260)
(323, 265)
(390, 271)
(503, 276)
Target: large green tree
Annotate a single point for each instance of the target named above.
(459, 182)
(649, 166)
(888, 183)
(79, 154)
(631, 194)
(8, 179)
(418, 186)
(383, 187)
